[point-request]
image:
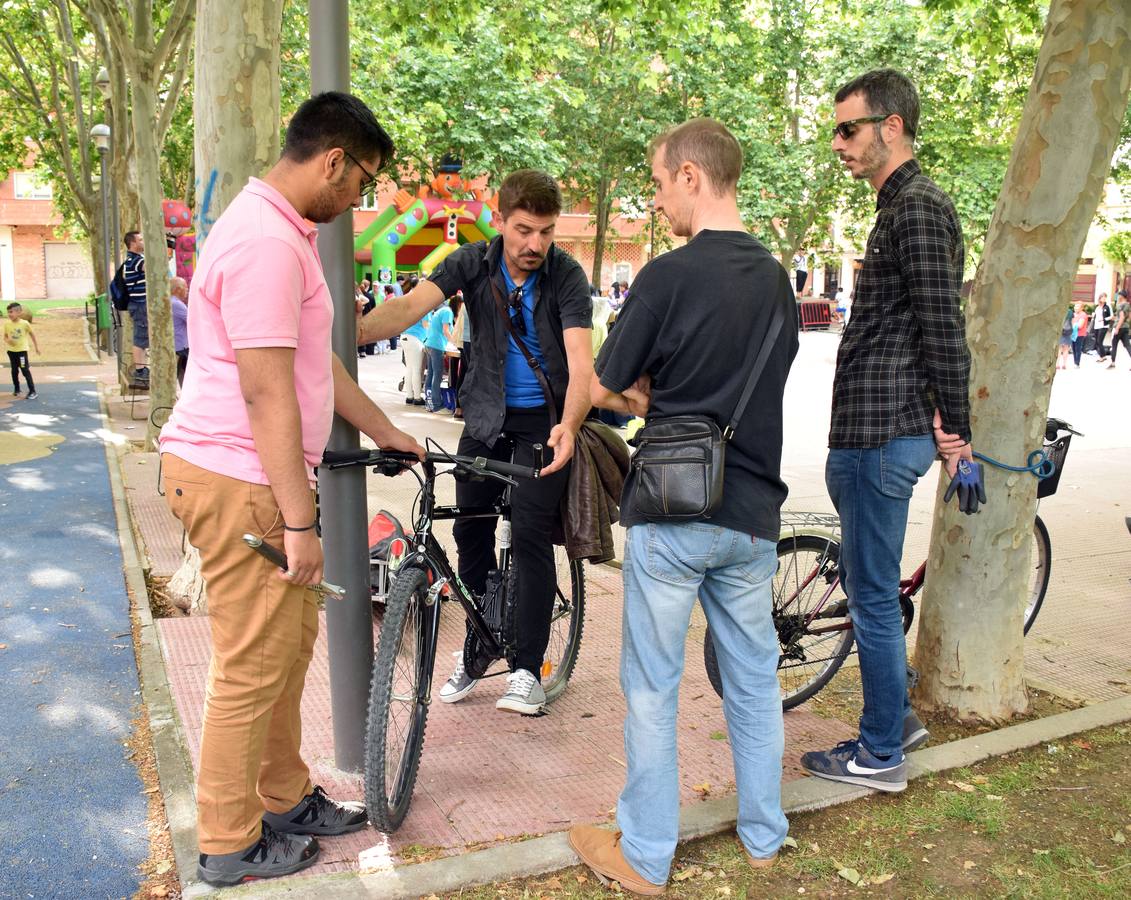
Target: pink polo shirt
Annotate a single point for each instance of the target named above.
(258, 283)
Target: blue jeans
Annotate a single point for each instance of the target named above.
(665, 567)
(871, 490)
(435, 375)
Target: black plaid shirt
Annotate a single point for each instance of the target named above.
(904, 351)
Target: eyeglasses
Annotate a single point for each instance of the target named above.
(370, 183)
(514, 304)
(846, 130)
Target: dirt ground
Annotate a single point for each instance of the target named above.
(60, 332)
(1048, 822)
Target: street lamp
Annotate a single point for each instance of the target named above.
(651, 229)
(100, 134)
(102, 83)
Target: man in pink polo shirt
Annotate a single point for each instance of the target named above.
(260, 391)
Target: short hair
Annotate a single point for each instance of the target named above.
(531, 190)
(886, 92)
(130, 237)
(336, 119)
(12, 306)
(706, 143)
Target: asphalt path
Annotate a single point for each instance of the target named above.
(74, 812)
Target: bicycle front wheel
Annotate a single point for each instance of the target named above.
(813, 629)
(394, 733)
(1041, 569)
(566, 624)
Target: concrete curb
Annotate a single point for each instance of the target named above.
(174, 768)
(552, 852)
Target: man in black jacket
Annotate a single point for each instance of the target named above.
(527, 384)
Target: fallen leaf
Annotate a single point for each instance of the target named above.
(979, 779)
(553, 884)
(883, 879)
(1083, 745)
(789, 842)
(581, 879)
(723, 891)
(162, 867)
(928, 846)
(718, 735)
(994, 797)
(849, 875)
(159, 891)
(702, 789)
(969, 864)
(500, 837)
(963, 786)
(684, 874)
(1037, 852)
(1119, 838)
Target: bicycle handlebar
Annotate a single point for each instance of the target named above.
(338, 459)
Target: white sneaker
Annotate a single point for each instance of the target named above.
(459, 685)
(524, 694)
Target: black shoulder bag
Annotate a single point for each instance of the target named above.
(677, 469)
(501, 305)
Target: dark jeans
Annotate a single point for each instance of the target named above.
(534, 510)
(1120, 337)
(182, 364)
(20, 363)
(1099, 333)
(871, 490)
(1078, 348)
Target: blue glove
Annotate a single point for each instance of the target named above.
(967, 482)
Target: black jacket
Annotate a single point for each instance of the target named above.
(561, 300)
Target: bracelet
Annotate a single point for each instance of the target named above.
(309, 527)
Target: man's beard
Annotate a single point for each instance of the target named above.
(874, 158)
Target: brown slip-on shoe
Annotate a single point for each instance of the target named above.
(600, 850)
(760, 862)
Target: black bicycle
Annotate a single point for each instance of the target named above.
(401, 688)
(810, 608)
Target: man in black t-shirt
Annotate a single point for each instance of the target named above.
(686, 344)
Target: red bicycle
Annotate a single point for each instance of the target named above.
(810, 608)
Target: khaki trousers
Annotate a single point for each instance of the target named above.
(263, 631)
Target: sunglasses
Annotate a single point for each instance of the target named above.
(846, 130)
(370, 183)
(514, 305)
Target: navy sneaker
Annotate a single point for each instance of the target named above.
(318, 814)
(915, 733)
(852, 763)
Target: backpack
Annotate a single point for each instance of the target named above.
(119, 292)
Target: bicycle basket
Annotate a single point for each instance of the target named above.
(1057, 452)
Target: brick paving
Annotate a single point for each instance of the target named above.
(487, 776)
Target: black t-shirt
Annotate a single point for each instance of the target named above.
(694, 322)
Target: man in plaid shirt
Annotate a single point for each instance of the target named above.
(900, 396)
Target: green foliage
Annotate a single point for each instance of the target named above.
(1117, 247)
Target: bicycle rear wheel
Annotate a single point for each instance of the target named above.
(1041, 564)
(566, 624)
(394, 733)
(814, 636)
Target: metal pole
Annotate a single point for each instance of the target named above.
(349, 621)
(105, 239)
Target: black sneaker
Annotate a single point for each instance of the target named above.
(318, 814)
(272, 856)
(32, 395)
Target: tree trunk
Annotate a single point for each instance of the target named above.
(236, 101)
(601, 228)
(162, 364)
(236, 133)
(969, 650)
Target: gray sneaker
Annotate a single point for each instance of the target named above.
(852, 763)
(915, 733)
(318, 814)
(32, 395)
(524, 694)
(272, 856)
(459, 685)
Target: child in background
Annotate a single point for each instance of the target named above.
(17, 331)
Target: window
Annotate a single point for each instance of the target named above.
(31, 186)
(369, 201)
(623, 272)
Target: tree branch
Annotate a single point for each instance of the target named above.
(178, 23)
(173, 95)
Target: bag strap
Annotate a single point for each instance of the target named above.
(755, 373)
(547, 391)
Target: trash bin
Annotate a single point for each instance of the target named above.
(102, 315)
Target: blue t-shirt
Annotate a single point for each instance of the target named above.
(420, 329)
(440, 317)
(522, 387)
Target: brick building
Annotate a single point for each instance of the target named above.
(37, 258)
